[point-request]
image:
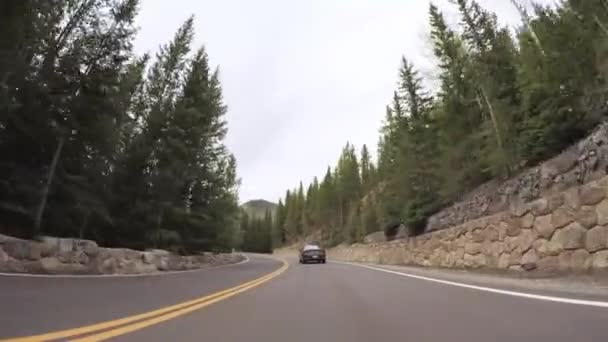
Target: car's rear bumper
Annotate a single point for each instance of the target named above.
(311, 259)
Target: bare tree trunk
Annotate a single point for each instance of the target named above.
(497, 132)
(47, 186)
(526, 18)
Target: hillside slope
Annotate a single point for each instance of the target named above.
(257, 208)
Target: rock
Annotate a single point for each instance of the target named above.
(547, 248)
(526, 267)
(572, 198)
(579, 259)
(73, 257)
(148, 257)
(491, 234)
(571, 237)
(602, 213)
(549, 263)
(65, 245)
(35, 251)
(527, 221)
(515, 257)
(565, 260)
(474, 261)
(596, 239)
(526, 239)
(17, 249)
(375, 237)
(472, 248)
(561, 217)
(50, 246)
(600, 259)
(517, 207)
(543, 226)
(591, 194)
(545, 206)
(503, 261)
(530, 257)
(3, 256)
(513, 228)
(86, 246)
(586, 216)
(516, 268)
(477, 235)
(51, 265)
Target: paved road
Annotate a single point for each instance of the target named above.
(331, 302)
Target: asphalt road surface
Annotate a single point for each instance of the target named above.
(264, 300)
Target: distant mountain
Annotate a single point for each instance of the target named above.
(258, 207)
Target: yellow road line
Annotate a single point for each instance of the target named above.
(156, 320)
(147, 315)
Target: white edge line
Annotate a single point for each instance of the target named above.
(153, 274)
(487, 289)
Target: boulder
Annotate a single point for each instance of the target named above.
(374, 237)
(472, 248)
(545, 206)
(591, 194)
(579, 259)
(503, 261)
(600, 259)
(530, 257)
(572, 198)
(571, 236)
(50, 246)
(526, 239)
(65, 245)
(565, 260)
(543, 226)
(3, 256)
(596, 239)
(17, 249)
(517, 207)
(547, 248)
(513, 228)
(73, 257)
(88, 247)
(586, 216)
(602, 212)
(549, 263)
(561, 217)
(527, 221)
(477, 235)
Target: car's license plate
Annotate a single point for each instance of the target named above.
(315, 256)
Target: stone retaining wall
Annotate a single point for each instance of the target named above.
(56, 255)
(566, 230)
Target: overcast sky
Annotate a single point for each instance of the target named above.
(301, 78)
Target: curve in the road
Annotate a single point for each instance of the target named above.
(125, 325)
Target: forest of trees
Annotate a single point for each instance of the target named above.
(99, 143)
(505, 100)
(256, 232)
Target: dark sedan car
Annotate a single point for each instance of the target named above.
(312, 253)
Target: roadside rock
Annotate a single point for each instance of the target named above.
(529, 258)
(579, 259)
(586, 216)
(600, 259)
(602, 212)
(472, 248)
(592, 194)
(571, 237)
(596, 239)
(17, 249)
(542, 225)
(3, 256)
(561, 217)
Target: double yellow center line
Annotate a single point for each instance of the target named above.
(105, 330)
